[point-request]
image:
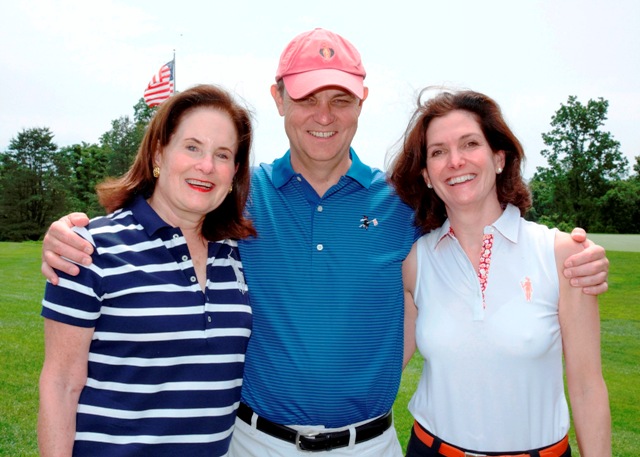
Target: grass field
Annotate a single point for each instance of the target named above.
(21, 352)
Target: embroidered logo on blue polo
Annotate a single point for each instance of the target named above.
(365, 222)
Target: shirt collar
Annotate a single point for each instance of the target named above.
(283, 171)
(508, 224)
(146, 216)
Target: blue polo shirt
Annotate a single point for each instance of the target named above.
(166, 360)
(327, 296)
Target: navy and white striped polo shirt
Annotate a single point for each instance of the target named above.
(166, 359)
(326, 290)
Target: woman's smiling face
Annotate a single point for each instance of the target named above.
(196, 167)
(461, 166)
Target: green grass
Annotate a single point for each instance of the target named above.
(620, 328)
(21, 352)
(21, 346)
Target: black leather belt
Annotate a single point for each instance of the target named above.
(320, 441)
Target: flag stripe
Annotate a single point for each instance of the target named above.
(161, 86)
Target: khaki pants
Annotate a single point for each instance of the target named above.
(249, 442)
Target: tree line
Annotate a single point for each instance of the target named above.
(586, 182)
(40, 182)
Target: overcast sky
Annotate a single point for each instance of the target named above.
(74, 66)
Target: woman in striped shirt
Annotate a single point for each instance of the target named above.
(144, 349)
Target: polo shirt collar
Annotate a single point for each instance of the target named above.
(508, 224)
(282, 171)
(146, 216)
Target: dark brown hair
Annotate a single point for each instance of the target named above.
(228, 219)
(406, 168)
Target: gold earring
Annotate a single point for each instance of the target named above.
(231, 188)
(156, 172)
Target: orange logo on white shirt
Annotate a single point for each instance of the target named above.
(527, 287)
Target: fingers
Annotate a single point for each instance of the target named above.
(579, 235)
(588, 274)
(593, 256)
(596, 290)
(63, 241)
(77, 219)
(51, 260)
(60, 241)
(49, 273)
(593, 284)
(587, 279)
(588, 269)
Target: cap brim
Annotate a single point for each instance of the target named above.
(302, 84)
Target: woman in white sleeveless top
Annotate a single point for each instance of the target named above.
(493, 314)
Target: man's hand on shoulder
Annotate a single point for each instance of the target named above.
(61, 241)
(588, 269)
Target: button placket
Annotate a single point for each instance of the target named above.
(319, 246)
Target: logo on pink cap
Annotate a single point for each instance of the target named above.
(320, 58)
(327, 53)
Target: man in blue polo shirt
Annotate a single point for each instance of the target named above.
(325, 357)
(326, 266)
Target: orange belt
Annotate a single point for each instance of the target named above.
(555, 450)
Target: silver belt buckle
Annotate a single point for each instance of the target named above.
(298, 436)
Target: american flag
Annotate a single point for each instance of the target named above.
(161, 86)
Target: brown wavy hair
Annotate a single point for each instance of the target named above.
(227, 220)
(409, 162)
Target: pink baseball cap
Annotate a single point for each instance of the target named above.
(320, 58)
